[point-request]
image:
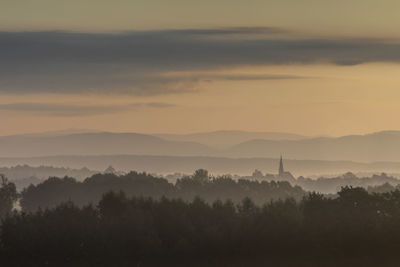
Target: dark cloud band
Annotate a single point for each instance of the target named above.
(136, 62)
(62, 110)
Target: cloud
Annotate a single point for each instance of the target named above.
(223, 32)
(138, 83)
(243, 77)
(62, 110)
(137, 62)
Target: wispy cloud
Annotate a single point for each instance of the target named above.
(63, 110)
(136, 62)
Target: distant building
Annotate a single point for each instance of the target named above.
(282, 174)
(257, 174)
(281, 170)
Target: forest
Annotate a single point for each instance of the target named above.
(140, 220)
(54, 191)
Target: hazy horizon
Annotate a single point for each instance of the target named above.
(105, 130)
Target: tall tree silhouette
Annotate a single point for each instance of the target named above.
(8, 196)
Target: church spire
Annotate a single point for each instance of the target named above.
(281, 171)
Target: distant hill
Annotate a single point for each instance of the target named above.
(225, 139)
(96, 144)
(59, 132)
(377, 183)
(24, 175)
(381, 146)
(43, 172)
(216, 165)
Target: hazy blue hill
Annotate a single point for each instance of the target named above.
(96, 144)
(225, 139)
(381, 146)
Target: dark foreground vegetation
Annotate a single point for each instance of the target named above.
(356, 228)
(141, 220)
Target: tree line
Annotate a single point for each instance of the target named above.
(55, 191)
(355, 228)
(141, 220)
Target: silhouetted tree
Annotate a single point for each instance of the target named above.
(201, 176)
(8, 196)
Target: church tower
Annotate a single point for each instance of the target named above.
(281, 170)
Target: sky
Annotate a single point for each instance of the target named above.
(308, 67)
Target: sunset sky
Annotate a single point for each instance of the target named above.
(308, 67)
